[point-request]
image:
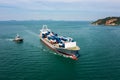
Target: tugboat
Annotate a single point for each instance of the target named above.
(18, 38)
(65, 46)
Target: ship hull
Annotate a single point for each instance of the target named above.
(73, 54)
(18, 40)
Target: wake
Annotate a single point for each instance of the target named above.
(32, 33)
(9, 39)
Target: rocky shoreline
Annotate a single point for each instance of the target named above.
(108, 21)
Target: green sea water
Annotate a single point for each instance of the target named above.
(31, 60)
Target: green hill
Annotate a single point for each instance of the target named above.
(108, 21)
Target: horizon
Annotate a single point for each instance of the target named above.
(45, 20)
(57, 20)
(58, 10)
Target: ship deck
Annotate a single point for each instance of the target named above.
(57, 46)
(74, 48)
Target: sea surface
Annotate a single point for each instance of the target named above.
(31, 60)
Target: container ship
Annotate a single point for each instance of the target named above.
(61, 45)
